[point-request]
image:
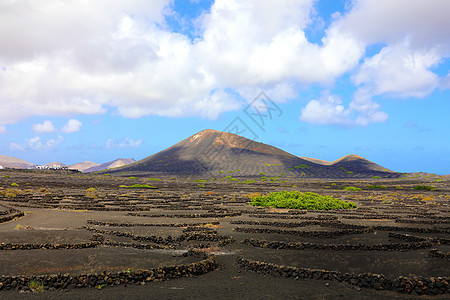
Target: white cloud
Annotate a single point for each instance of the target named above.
(3, 129)
(45, 127)
(326, 110)
(123, 143)
(329, 110)
(92, 55)
(424, 23)
(399, 70)
(37, 144)
(73, 125)
(444, 83)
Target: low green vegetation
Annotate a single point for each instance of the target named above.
(349, 172)
(139, 186)
(92, 193)
(301, 166)
(262, 174)
(36, 286)
(154, 179)
(200, 180)
(299, 200)
(7, 176)
(352, 188)
(438, 180)
(425, 188)
(132, 177)
(290, 169)
(14, 184)
(376, 187)
(376, 177)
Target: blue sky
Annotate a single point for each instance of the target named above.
(103, 80)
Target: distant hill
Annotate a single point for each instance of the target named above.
(357, 163)
(317, 161)
(211, 153)
(83, 166)
(109, 165)
(13, 162)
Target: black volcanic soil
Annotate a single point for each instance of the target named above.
(56, 208)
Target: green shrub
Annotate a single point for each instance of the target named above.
(262, 174)
(290, 169)
(132, 177)
(376, 187)
(282, 174)
(275, 178)
(301, 166)
(234, 179)
(299, 200)
(201, 185)
(36, 286)
(376, 177)
(238, 170)
(352, 188)
(230, 171)
(220, 172)
(425, 188)
(263, 178)
(342, 168)
(349, 172)
(438, 180)
(7, 176)
(200, 180)
(143, 186)
(154, 179)
(14, 184)
(92, 193)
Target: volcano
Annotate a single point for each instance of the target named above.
(211, 152)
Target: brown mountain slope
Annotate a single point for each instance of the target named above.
(211, 153)
(317, 161)
(110, 165)
(13, 162)
(356, 163)
(83, 166)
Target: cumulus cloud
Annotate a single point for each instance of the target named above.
(329, 109)
(3, 129)
(73, 125)
(122, 143)
(124, 56)
(325, 110)
(400, 71)
(37, 144)
(45, 127)
(425, 23)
